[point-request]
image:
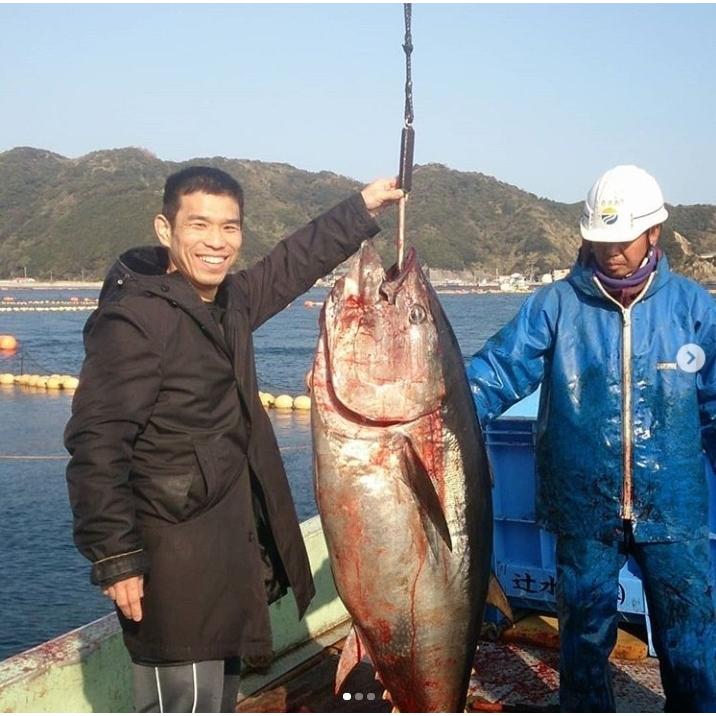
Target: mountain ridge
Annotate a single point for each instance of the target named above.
(72, 216)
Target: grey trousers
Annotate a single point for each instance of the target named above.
(201, 687)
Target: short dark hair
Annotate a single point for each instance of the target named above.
(206, 179)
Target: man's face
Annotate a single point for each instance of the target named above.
(619, 260)
(204, 241)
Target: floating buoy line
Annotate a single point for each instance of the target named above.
(87, 304)
(285, 402)
(22, 362)
(70, 382)
(48, 382)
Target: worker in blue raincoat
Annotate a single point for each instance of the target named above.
(625, 351)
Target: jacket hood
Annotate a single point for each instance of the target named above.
(146, 260)
(145, 269)
(582, 278)
(138, 264)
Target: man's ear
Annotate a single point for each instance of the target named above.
(163, 230)
(585, 253)
(654, 234)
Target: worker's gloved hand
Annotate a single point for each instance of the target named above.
(381, 193)
(128, 593)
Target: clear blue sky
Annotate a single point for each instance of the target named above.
(542, 96)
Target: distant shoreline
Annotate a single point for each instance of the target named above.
(7, 284)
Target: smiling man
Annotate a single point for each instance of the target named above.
(179, 495)
(622, 428)
(201, 231)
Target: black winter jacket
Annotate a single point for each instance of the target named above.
(173, 455)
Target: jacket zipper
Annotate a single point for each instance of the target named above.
(627, 427)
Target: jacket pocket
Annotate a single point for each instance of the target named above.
(176, 493)
(215, 482)
(162, 497)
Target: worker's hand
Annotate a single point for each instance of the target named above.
(128, 593)
(381, 193)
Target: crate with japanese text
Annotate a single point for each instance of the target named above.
(523, 553)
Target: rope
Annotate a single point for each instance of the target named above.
(401, 232)
(34, 457)
(290, 448)
(21, 361)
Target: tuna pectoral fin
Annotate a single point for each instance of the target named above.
(416, 476)
(352, 654)
(497, 598)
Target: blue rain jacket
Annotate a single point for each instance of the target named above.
(610, 382)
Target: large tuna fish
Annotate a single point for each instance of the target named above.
(402, 483)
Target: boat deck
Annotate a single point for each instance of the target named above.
(508, 676)
(309, 688)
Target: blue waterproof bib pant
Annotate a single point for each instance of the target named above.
(681, 610)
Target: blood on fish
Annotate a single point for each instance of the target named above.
(385, 633)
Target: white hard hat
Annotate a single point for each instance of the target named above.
(623, 203)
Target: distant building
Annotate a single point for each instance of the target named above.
(554, 275)
(514, 283)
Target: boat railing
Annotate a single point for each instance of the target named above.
(88, 669)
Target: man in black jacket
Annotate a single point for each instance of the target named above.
(179, 496)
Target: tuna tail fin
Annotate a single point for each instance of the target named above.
(497, 598)
(352, 654)
(417, 477)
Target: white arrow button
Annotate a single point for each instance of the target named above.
(690, 358)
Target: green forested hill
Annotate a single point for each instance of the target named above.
(71, 216)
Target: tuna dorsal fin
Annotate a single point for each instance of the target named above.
(352, 654)
(431, 512)
(497, 598)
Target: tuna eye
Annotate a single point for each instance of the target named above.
(417, 314)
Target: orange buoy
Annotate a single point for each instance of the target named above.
(8, 343)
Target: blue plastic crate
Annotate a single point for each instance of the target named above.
(711, 481)
(524, 554)
(510, 448)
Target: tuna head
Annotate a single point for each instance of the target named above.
(381, 341)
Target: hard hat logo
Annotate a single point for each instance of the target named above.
(624, 202)
(610, 215)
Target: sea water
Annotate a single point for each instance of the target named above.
(44, 584)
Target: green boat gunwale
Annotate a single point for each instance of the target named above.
(88, 669)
